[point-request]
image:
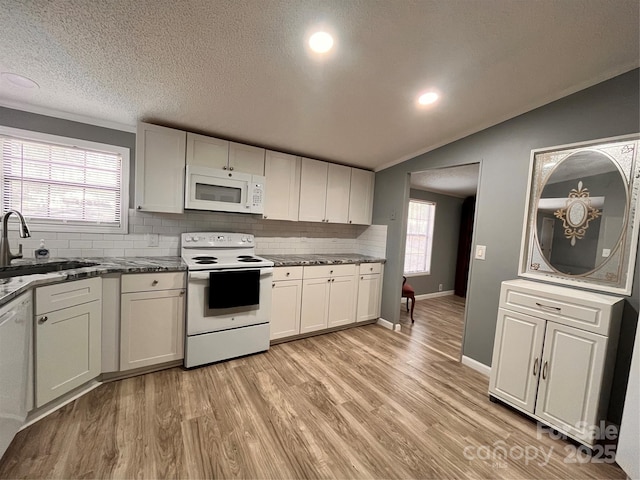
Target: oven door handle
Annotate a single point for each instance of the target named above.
(204, 274)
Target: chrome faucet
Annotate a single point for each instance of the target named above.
(5, 251)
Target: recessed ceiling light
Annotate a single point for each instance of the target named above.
(321, 42)
(428, 98)
(19, 80)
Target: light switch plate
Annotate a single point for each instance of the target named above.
(606, 252)
(153, 239)
(481, 251)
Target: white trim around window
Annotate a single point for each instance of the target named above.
(100, 176)
(419, 239)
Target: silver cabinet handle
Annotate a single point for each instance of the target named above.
(331, 271)
(328, 279)
(535, 367)
(544, 370)
(273, 285)
(181, 292)
(361, 278)
(154, 283)
(224, 167)
(288, 273)
(333, 279)
(548, 307)
(231, 168)
(42, 320)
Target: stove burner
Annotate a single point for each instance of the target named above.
(244, 256)
(249, 259)
(204, 258)
(205, 262)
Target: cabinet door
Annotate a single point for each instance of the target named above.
(206, 151)
(517, 359)
(285, 309)
(342, 301)
(368, 297)
(313, 190)
(151, 328)
(246, 159)
(68, 349)
(315, 304)
(361, 196)
(572, 368)
(338, 186)
(160, 161)
(282, 193)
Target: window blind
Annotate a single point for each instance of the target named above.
(420, 221)
(50, 183)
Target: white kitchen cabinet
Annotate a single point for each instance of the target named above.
(15, 354)
(67, 340)
(324, 192)
(328, 297)
(369, 291)
(246, 158)
(286, 302)
(313, 190)
(338, 186)
(211, 152)
(361, 196)
(152, 319)
(206, 151)
(282, 195)
(160, 162)
(554, 354)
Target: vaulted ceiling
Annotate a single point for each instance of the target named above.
(240, 69)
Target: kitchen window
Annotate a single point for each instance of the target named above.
(61, 183)
(417, 256)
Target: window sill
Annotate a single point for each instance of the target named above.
(418, 274)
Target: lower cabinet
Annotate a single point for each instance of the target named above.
(369, 291)
(151, 319)
(67, 340)
(286, 302)
(554, 354)
(328, 297)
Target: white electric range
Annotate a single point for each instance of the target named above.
(228, 297)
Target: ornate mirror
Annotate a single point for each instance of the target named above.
(581, 225)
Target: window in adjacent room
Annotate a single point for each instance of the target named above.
(61, 183)
(417, 257)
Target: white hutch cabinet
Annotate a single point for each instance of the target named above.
(554, 355)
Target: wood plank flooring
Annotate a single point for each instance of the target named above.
(359, 403)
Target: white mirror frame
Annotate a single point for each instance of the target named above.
(530, 268)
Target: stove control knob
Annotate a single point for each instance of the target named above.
(194, 239)
(244, 239)
(187, 239)
(220, 238)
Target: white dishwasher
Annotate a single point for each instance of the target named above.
(15, 333)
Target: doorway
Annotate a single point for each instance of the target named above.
(439, 278)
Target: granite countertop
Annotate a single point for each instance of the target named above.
(320, 259)
(14, 286)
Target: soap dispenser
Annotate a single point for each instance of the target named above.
(42, 253)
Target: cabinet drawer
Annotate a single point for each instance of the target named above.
(322, 271)
(146, 282)
(574, 308)
(69, 294)
(287, 273)
(367, 268)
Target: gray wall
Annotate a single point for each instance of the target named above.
(445, 243)
(67, 128)
(608, 109)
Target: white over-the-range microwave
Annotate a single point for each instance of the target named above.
(223, 191)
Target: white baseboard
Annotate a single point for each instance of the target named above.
(387, 324)
(477, 366)
(424, 296)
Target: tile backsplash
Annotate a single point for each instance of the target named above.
(272, 236)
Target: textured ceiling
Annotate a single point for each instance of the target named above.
(455, 181)
(239, 68)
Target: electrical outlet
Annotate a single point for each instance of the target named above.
(153, 239)
(439, 287)
(481, 252)
(393, 214)
(606, 252)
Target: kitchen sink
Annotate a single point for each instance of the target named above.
(32, 269)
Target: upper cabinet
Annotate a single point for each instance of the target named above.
(361, 196)
(206, 151)
(160, 160)
(324, 192)
(246, 159)
(282, 195)
(313, 190)
(213, 152)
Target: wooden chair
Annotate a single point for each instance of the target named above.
(408, 293)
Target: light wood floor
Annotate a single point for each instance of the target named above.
(360, 403)
(438, 325)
